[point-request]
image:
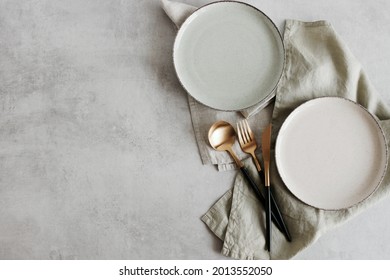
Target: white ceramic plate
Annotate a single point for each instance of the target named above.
(331, 153)
(228, 55)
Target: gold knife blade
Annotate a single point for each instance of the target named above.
(266, 148)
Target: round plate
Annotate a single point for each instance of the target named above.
(228, 55)
(331, 153)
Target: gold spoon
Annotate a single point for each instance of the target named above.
(222, 137)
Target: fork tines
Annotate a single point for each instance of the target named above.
(245, 133)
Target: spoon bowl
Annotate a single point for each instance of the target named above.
(222, 137)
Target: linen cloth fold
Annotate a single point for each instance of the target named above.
(318, 64)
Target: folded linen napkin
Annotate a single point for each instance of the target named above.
(203, 117)
(317, 64)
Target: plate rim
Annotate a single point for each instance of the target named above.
(368, 113)
(269, 95)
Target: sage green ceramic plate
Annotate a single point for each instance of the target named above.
(228, 55)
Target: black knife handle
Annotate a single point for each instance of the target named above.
(260, 196)
(276, 211)
(268, 217)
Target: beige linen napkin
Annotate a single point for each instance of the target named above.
(203, 117)
(318, 64)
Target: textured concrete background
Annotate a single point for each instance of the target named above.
(97, 155)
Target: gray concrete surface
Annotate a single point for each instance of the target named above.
(97, 155)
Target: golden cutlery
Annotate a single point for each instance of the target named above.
(222, 137)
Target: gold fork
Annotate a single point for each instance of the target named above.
(247, 141)
(248, 144)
